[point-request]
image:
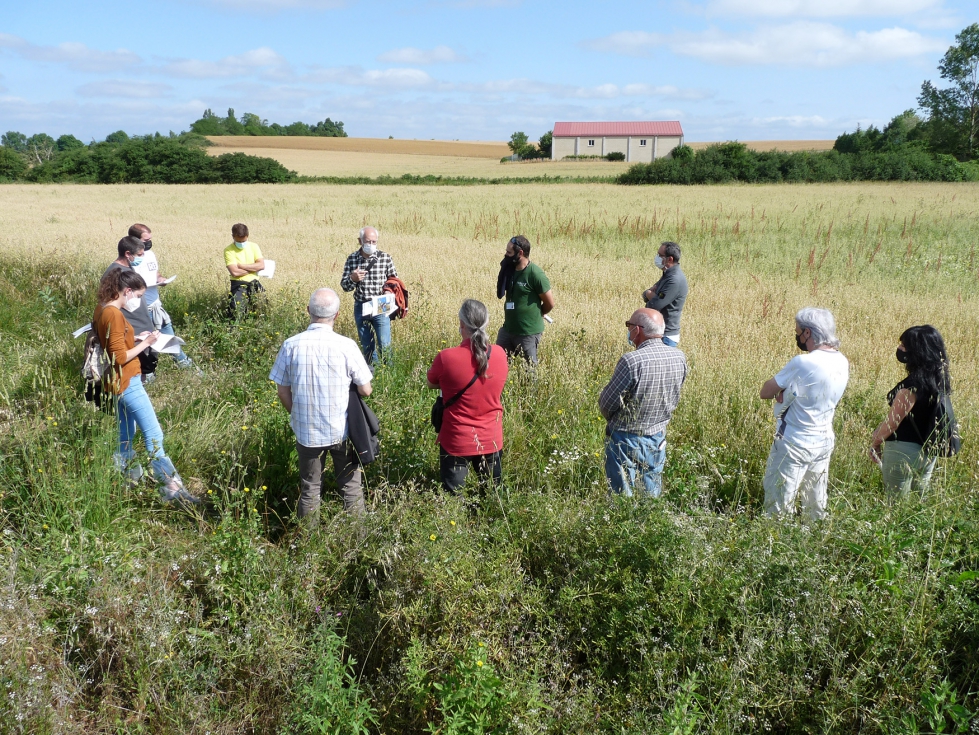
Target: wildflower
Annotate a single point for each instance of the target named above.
(246, 489)
(479, 663)
(45, 526)
(244, 428)
(223, 452)
(264, 487)
(452, 523)
(254, 510)
(210, 492)
(560, 411)
(481, 644)
(49, 418)
(432, 537)
(553, 436)
(55, 423)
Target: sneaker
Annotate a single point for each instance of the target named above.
(186, 363)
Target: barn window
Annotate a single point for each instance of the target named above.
(642, 141)
(591, 142)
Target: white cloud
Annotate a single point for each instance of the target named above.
(75, 55)
(819, 8)
(803, 43)
(794, 121)
(260, 60)
(125, 88)
(354, 76)
(566, 91)
(421, 57)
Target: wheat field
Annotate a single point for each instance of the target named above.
(882, 257)
(382, 157)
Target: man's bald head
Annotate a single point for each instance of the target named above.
(324, 305)
(367, 233)
(650, 322)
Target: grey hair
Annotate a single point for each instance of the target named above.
(821, 325)
(648, 326)
(360, 236)
(475, 318)
(324, 304)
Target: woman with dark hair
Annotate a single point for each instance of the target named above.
(901, 443)
(471, 378)
(122, 288)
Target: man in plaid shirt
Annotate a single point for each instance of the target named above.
(364, 273)
(313, 372)
(638, 403)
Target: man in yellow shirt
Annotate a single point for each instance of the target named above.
(243, 260)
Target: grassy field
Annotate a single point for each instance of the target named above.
(380, 157)
(552, 609)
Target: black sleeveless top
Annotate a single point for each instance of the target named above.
(919, 424)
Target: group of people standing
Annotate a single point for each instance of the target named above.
(319, 372)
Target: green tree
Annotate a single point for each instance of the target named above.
(119, 136)
(518, 143)
(68, 142)
(15, 141)
(12, 164)
(41, 147)
(208, 124)
(954, 111)
(545, 143)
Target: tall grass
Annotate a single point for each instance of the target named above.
(551, 609)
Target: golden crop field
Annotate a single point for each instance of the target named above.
(381, 157)
(881, 256)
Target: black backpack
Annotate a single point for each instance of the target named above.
(945, 440)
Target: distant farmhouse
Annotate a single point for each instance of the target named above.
(641, 142)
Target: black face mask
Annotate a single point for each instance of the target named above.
(515, 258)
(800, 343)
(147, 244)
(902, 356)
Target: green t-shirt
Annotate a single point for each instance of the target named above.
(522, 314)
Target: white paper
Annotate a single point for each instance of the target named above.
(167, 343)
(165, 281)
(81, 330)
(384, 304)
(548, 319)
(269, 270)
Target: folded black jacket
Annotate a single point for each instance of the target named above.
(362, 428)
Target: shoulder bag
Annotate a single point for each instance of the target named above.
(438, 408)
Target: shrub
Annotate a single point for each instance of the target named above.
(615, 156)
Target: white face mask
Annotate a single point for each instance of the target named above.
(369, 248)
(132, 304)
(628, 337)
(658, 261)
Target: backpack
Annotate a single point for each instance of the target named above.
(95, 369)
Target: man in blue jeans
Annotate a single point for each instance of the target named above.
(365, 273)
(638, 403)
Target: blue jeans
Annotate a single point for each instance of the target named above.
(134, 409)
(168, 329)
(670, 342)
(367, 328)
(633, 460)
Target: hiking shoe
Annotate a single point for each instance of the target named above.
(174, 493)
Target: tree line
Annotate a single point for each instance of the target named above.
(940, 144)
(121, 159)
(252, 124)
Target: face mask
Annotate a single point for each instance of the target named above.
(800, 343)
(137, 261)
(658, 262)
(515, 258)
(902, 356)
(147, 244)
(369, 248)
(628, 337)
(240, 245)
(132, 304)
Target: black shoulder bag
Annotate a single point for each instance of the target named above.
(438, 408)
(945, 440)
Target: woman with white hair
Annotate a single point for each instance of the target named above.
(806, 392)
(471, 378)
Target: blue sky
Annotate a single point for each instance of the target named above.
(471, 69)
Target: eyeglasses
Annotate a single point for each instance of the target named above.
(631, 325)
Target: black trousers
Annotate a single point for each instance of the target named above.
(242, 295)
(454, 470)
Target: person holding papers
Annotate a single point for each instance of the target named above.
(149, 269)
(244, 260)
(120, 292)
(364, 273)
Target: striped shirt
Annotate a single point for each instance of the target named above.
(644, 389)
(319, 365)
(379, 268)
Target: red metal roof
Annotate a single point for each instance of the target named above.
(599, 129)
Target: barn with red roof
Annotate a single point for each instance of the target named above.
(640, 142)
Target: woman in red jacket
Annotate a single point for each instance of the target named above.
(122, 288)
(472, 426)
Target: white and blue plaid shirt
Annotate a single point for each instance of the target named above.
(319, 366)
